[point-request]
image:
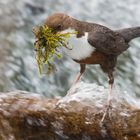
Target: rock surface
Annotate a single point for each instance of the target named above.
(18, 68)
(30, 116)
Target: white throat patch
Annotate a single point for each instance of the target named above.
(81, 48)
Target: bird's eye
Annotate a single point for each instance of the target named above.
(58, 27)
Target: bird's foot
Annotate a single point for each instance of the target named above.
(108, 107)
(71, 91)
(106, 112)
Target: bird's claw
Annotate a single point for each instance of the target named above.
(106, 112)
(71, 91)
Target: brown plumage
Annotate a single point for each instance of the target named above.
(108, 44)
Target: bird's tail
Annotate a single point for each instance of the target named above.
(130, 33)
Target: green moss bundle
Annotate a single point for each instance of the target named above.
(46, 46)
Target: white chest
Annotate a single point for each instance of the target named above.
(80, 47)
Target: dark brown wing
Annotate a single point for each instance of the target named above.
(107, 42)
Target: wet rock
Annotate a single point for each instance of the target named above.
(16, 21)
(30, 116)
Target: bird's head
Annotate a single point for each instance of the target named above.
(58, 22)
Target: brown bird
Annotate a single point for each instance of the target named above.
(98, 44)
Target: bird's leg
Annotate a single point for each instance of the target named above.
(78, 77)
(110, 81)
(108, 106)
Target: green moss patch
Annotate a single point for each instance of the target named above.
(46, 46)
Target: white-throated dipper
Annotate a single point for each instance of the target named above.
(99, 44)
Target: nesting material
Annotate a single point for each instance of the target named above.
(46, 46)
